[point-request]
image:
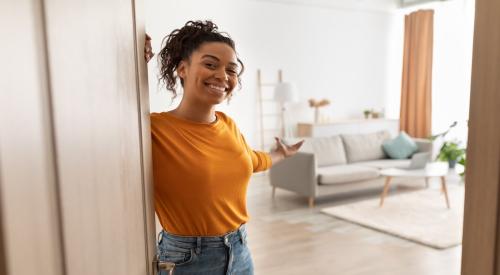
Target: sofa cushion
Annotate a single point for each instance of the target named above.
(327, 150)
(386, 163)
(400, 147)
(345, 173)
(362, 147)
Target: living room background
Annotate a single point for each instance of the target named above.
(349, 53)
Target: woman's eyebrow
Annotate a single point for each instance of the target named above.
(217, 59)
(210, 56)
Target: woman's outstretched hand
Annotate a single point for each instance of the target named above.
(148, 50)
(283, 150)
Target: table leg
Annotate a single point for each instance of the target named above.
(445, 191)
(386, 189)
(427, 182)
(311, 202)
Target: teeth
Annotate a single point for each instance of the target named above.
(219, 88)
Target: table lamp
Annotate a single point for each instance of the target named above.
(285, 92)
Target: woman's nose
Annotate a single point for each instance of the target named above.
(221, 74)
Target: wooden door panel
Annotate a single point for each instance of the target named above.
(28, 191)
(96, 117)
(481, 236)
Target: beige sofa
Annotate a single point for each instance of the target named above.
(337, 164)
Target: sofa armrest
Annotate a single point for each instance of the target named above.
(424, 145)
(297, 174)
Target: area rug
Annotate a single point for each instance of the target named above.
(419, 216)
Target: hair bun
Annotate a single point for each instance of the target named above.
(207, 25)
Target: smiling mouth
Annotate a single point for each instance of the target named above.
(221, 90)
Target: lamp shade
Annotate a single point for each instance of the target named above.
(286, 92)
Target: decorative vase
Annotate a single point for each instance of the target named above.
(316, 105)
(451, 163)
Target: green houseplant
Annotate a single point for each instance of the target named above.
(451, 152)
(367, 113)
(463, 161)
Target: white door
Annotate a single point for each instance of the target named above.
(75, 184)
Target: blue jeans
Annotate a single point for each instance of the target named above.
(219, 255)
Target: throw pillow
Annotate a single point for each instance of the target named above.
(328, 150)
(364, 147)
(400, 147)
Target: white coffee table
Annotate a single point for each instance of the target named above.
(434, 169)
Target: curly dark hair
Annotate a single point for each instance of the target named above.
(180, 44)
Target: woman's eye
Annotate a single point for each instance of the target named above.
(232, 72)
(210, 65)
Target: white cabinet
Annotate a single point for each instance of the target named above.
(354, 126)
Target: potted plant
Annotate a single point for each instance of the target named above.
(463, 161)
(451, 152)
(443, 134)
(367, 113)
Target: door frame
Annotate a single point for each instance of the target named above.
(145, 139)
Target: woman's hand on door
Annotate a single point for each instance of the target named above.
(148, 50)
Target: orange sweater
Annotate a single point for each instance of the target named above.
(201, 172)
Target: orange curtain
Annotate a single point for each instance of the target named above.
(416, 90)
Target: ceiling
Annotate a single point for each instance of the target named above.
(366, 5)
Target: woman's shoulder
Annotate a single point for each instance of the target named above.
(224, 117)
(155, 117)
(160, 120)
(227, 121)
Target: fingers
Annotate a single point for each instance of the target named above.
(297, 145)
(148, 56)
(147, 45)
(148, 50)
(279, 143)
(280, 140)
(287, 150)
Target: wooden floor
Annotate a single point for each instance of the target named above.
(286, 237)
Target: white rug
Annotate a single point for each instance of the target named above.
(419, 216)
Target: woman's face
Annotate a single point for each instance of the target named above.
(211, 74)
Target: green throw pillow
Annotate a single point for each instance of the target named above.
(400, 147)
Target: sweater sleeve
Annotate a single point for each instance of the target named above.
(261, 161)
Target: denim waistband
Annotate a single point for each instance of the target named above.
(237, 235)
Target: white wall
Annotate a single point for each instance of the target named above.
(336, 54)
(352, 57)
(454, 26)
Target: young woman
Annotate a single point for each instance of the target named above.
(201, 162)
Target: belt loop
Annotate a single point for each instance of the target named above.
(160, 237)
(242, 236)
(198, 245)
